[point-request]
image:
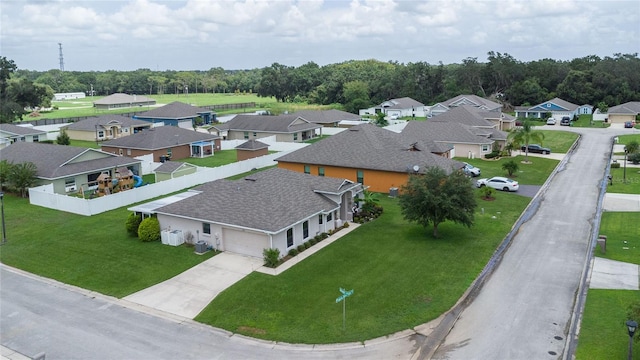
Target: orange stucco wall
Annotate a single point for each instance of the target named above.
(377, 181)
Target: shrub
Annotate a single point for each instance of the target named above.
(149, 230)
(271, 257)
(615, 165)
(306, 245)
(313, 241)
(346, 225)
(132, 224)
(318, 238)
(510, 166)
(324, 235)
(300, 248)
(293, 252)
(492, 155)
(486, 192)
(634, 158)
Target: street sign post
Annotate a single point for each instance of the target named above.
(343, 298)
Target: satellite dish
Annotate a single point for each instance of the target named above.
(416, 168)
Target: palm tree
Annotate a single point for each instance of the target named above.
(524, 136)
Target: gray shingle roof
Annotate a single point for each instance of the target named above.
(171, 166)
(401, 103)
(444, 132)
(269, 200)
(473, 100)
(326, 116)
(120, 98)
(562, 103)
(465, 114)
(20, 130)
(286, 124)
(89, 124)
(252, 145)
(632, 107)
(54, 161)
(367, 146)
(174, 110)
(160, 137)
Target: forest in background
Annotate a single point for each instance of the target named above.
(358, 84)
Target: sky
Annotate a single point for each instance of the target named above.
(247, 34)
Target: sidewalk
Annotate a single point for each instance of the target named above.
(8, 354)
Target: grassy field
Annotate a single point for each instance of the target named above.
(535, 173)
(623, 236)
(558, 141)
(94, 253)
(603, 334)
(401, 277)
(219, 158)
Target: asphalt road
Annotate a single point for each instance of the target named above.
(525, 308)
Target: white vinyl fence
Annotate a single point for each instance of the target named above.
(44, 195)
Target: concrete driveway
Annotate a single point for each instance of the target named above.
(188, 293)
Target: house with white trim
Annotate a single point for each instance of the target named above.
(555, 108)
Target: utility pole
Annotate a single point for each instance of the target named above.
(61, 57)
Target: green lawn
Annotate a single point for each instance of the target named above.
(401, 277)
(623, 236)
(559, 141)
(625, 139)
(219, 158)
(94, 253)
(603, 334)
(629, 186)
(535, 173)
(85, 144)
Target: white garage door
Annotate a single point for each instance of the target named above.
(243, 242)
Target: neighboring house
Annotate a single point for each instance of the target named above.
(119, 100)
(105, 127)
(286, 128)
(585, 109)
(251, 149)
(375, 157)
(68, 168)
(165, 143)
(402, 107)
(68, 96)
(271, 209)
(177, 114)
(487, 124)
(556, 108)
(328, 118)
(10, 134)
(462, 100)
(173, 169)
(624, 112)
(465, 140)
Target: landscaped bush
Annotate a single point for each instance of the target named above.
(306, 245)
(300, 248)
(324, 235)
(313, 241)
(132, 224)
(634, 158)
(271, 257)
(615, 165)
(492, 155)
(293, 252)
(149, 230)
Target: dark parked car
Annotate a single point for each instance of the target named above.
(628, 124)
(535, 148)
(565, 121)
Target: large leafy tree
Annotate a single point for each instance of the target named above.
(436, 196)
(525, 135)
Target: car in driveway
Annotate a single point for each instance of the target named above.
(565, 121)
(499, 183)
(471, 170)
(628, 125)
(536, 148)
(551, 121)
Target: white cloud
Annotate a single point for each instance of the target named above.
(124, 34)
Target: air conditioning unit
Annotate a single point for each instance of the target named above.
(70, 188)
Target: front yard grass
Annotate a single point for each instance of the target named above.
(629, 186)
(559, 141)
(535, 173)
(401, 277)
(623, 236)
(92, 252)
(603, 334)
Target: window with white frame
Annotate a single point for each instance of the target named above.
(305, 229)
(486, 148)
(206, 228)
(290, 238)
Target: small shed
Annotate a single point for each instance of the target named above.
(173, 169)
(251, 149)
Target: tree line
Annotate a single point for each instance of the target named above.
(357, 84)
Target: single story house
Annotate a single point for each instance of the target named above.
(464, 140)
(177, 114)
(285, 128)
(271, 209)
(165, 143)
(481, 122)
(464, 100)
(555, 108)
(251, 149)
(173, 169)
(68, 168)
(401, 107)
(105, 127)
(10, 133)
(624, 112)
(119, 100)
(328, 118)
(379, 159)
